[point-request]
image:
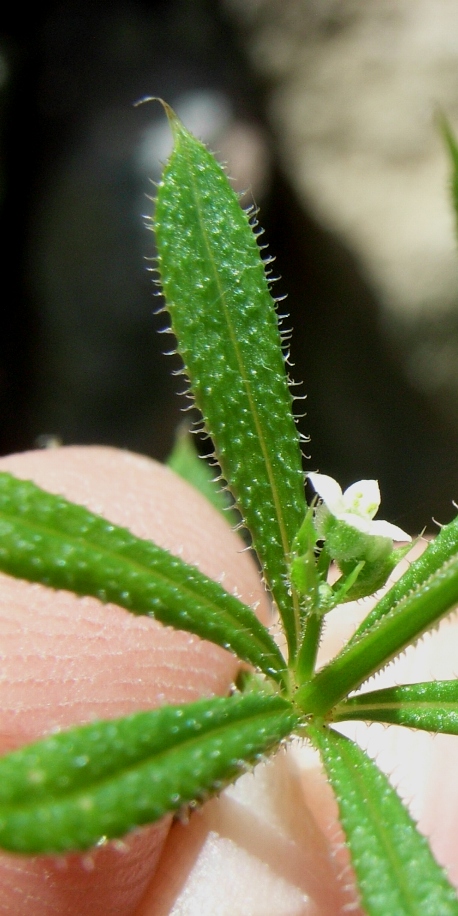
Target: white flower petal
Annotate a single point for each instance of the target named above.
(387, 530)
(355, 507)
(329, 491)
(363, 498)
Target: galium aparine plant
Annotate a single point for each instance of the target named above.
(77, 788)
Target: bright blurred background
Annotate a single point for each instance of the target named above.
(326, 112)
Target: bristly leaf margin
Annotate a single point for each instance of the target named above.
(395, 868)
(217, 294)
(45, 538)
(80, 787)
(430, 705)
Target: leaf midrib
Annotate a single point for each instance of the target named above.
(80, 541)
(248, 390)
(155, 760)
(384, 834)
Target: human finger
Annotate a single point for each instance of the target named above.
(68, 660)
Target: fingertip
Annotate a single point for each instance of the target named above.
(68, 660)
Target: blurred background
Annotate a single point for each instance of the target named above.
(326, 112)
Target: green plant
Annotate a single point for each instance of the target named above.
(68, 791)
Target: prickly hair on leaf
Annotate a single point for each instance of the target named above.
(225, 322)
(98, 781)
(48, 539)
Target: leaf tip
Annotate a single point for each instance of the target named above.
(172, 116)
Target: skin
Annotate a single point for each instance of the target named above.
(271, 845)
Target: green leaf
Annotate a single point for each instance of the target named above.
(452, 146)
(45, 538)
(401, 626)
(77, 788)
(395, 869)
(442, 548)
(224, 319)
(185, 461)
(431, 706)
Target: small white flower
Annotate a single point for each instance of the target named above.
(356, 506)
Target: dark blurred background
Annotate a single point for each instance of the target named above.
(80, 357)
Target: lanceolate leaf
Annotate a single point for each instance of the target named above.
(99, 781)
(415, 614)
(431, 706)
(395, 870)
(452, 145)
(46, 539)
(442, 548)
(224, 318)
